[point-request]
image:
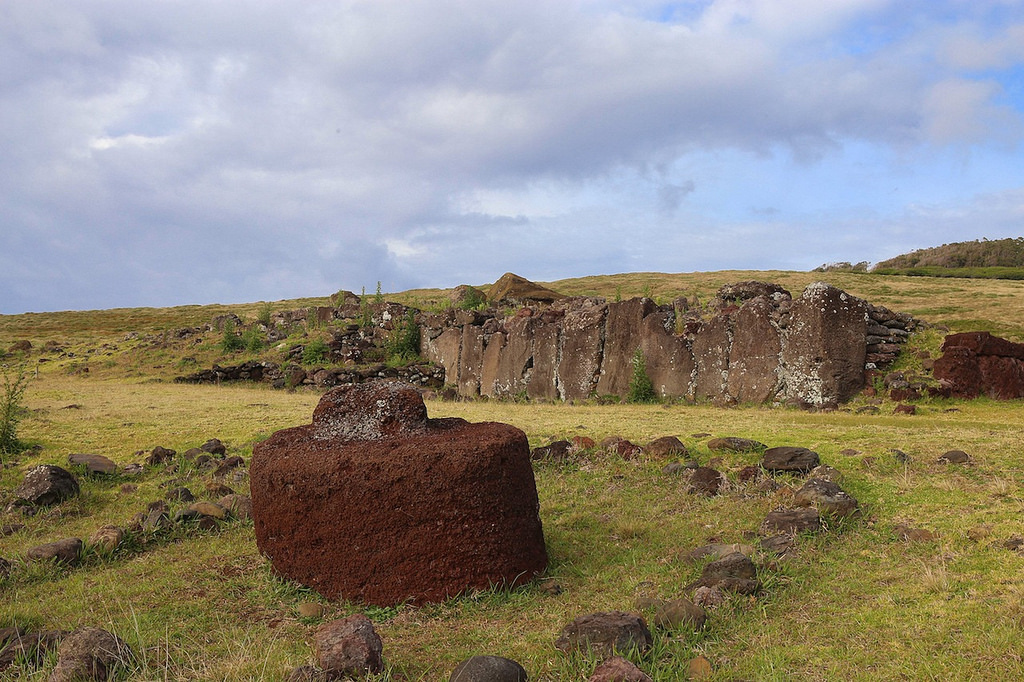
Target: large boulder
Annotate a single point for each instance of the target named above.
(375, 502)
(90, 654)
(45, 485)
(824, 346)
(515, 290)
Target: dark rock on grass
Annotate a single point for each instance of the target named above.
(156, 519)
(9, 633)
(90, 654)
(214, 447)
(779, 545)
(210, 509)
(905, 409)
(94, 464)
(30, 650)
(792, 521)
(955, 457)
(910, 534)
(618, 669)
(557, 451)
(67, 551)
(160, 455)
(5, 570)
(734, 572)
(709, 597)
(107, 538)
(10, 529)
(679, 467)
(191, 454)
(239, 506)
(218, 489)
(706, 482)
(348, 647)
(605, 634)
(680, 614)
(181, 494)
(788, 458)
(228, 466)
(488, 669)
(734, 444)
(583, 443)
(666, 446)
(46, 485)
(827, 497)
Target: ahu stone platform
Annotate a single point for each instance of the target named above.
(755, 343)
(374, 502)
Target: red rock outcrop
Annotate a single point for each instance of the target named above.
(976, 363)
(374, 502)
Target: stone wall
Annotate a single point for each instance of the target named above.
(974, 364)
(756, 344)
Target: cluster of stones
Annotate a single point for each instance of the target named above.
(374, 502)
(759, 345)
(887, 332)
(292, 375)
(47, 485)
(85, 654)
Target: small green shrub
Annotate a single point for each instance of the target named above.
(474, 300)
(315, 352)
(403, 346)
(264, 313)
(11, 409)
(231, 341)
(641, 390)
(252, 340)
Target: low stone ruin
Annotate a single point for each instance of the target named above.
(374, 502)
(757, 345)
(974, 364)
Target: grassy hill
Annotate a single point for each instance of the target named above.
(859, 601)
(995, 259)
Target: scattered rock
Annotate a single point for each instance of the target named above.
(210, 509)
(180, 494)
(779, 545)
(107, 538)
(214, 447)
(605, 634)
(827, 497)
(94, 464)
(160, 455)
(792, 521)
(706, 482)
(10, 529)
(583, 443)
(909, 534)
(788, 458)
(218, 489)
(488, 669)
(557, 451)
(239, 506)
(310, 609)
(709, 597)
(349, 646)
(733, 573)
(679, 467)
(46, 485)
(666, 446)
(827, 473)
(979, 533)
(955, 457)
(900, 456)
(1014, 543)
(30, 649)
(699, 668)
(849, 452)
(680, 614)
(67, 551)
(734, 444)
(618, 669)
(90, 654)
(905, 409)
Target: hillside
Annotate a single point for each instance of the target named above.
(999, 258)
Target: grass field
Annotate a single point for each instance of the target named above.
(858, 602)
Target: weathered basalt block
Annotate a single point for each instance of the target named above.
(374, 502)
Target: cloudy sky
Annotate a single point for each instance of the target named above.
(197, 151)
